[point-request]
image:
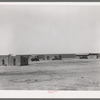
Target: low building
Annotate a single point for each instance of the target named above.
(10, 60)
(93, 56)
(88, 56)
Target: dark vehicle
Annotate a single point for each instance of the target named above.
(35, 59)
(83, 57)
(57, 58)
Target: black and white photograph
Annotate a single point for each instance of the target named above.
(50, 47)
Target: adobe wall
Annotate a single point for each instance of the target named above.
(5, 58)
(92, 57)
(23, 61)
(18, 60)
(11, 60)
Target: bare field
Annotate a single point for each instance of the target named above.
(72, 74)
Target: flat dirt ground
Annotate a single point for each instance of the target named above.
(72, 74)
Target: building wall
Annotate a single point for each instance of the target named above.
(68, 56)
(77, 57)
(92, 56)
(50, 56)
(5, 58)
(12, 60)
(99, 55)
(18, 60)
(24, 61)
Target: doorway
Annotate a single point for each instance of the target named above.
(14, 62)
(3, 62)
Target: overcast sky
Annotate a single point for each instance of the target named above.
(45, 29)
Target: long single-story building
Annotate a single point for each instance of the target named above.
(22, 60)
(53, 56)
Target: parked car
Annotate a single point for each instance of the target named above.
(56, 58)
(35, 59)
(83, 57)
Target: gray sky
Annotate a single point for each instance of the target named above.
(43, 29)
